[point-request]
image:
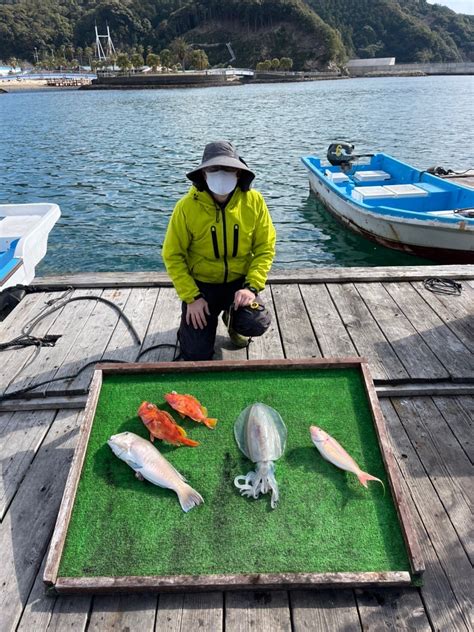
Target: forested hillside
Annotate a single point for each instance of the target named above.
(410, 30)
(313, 33)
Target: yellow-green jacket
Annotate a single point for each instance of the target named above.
(212, 245)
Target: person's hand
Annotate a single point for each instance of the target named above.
(196, 313)
(243, 297)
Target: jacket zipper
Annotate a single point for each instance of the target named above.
(226, 267)
(236, 240)
(214, 242)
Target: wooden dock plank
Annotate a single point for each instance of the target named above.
(39, 606)
(123, 612)
(415, 355)
(329, 610)
(444, 460)
(255, 610)
(366, 334)
(12, 324)
(455, 412)
(70, 612)
(446, 584)
(269, 345)
(138, 309)
(311, 275)
(457, 311)
(296, 332)
(392, 609)
(163, 327)
(331, 334)
(94, 338)
(19, 443)
(25, 530)
(190, 611)
(447, 347)
(68, 324)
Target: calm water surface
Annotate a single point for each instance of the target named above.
(115, 161)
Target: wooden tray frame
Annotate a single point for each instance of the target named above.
(230, 581)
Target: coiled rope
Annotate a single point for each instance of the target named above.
(442, 286)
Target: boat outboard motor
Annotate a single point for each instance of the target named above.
(340, 155)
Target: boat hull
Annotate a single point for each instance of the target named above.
(24, 231)
(445, 244)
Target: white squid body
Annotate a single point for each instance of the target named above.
(148, 463)
(261, 435)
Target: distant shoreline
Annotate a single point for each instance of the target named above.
(182, 80)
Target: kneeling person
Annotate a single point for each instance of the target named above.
(218, 250)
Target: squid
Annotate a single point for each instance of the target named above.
(261, 435)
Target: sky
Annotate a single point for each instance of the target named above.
(460, 6)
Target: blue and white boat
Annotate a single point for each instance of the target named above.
(24, 230)
(396, 205)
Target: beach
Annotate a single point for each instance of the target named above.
(15, 85)
(18, 85)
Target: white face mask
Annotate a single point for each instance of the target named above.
(221, 182)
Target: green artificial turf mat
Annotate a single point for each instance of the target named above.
(325, 520)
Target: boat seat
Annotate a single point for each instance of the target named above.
(388, 191)
(336, 176)
(365, 193)
(406, 190)
(371, 176)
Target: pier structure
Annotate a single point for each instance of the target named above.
(419, 345)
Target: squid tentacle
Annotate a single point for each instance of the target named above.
(259, 482)
(275, 491)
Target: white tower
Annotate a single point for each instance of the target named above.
(104, 55)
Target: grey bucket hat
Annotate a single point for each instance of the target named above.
(223, 154)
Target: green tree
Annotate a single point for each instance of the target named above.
(275, 64)
(198, 60)
(88, 55)
(286, 63)
(137, 60)
(123, 61)
(181, 51)
(153, 61)
(166, 57)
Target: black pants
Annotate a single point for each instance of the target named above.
(198, 344)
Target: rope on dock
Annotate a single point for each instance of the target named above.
(27, 339)
(442, 286)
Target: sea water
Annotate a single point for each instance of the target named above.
(115, 161)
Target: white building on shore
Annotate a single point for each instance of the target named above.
(373, 61)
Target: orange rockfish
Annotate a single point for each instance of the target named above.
(188, 406)
(162, 426)
(333, 452)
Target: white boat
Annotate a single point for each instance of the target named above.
(396, 205)
(24, 230)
